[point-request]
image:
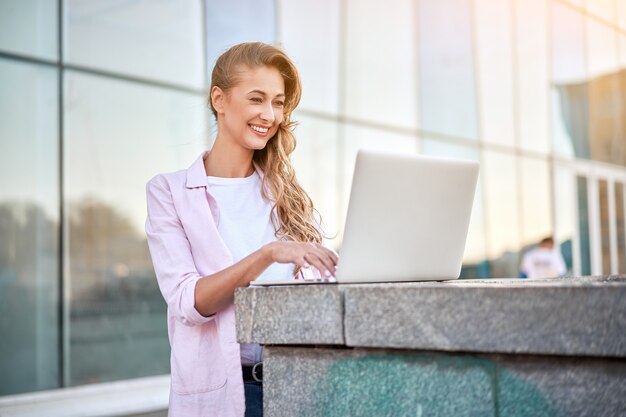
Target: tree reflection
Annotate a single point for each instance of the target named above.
(109, 261)
(28, 298)
(117, 326)
(117, 314)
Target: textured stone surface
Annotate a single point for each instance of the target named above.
(311, 314)
(308, 382)
(311, 382)
(585, 316)
(529, 386)
(577, 325)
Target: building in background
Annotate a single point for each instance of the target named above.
(98, 96)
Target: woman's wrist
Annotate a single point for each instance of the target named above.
(267, 251)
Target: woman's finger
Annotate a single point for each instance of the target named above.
(329, 252)
(325, 256)
(314, 260)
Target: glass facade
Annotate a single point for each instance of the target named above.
(29, 28)
(100, 96)
(29, 227)
(112, 148)
(85, 123)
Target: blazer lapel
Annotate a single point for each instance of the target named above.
(203, 205)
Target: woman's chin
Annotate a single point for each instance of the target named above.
(257, 143)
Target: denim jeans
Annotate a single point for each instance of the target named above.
(254, 399)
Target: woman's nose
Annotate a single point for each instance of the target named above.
(267, 113)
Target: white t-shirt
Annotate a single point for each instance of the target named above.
(543, 263)
(245, 225)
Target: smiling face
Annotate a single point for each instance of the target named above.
(249, 113)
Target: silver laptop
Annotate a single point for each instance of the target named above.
(407, 220)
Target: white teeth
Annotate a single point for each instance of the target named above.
(259, 129)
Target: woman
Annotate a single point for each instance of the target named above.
(236, 214)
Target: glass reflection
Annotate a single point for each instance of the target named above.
(620, 214)
(316, 163)
(234, 21)
(475, 264)
(604, 9)
(569, 91)
(495, 75)
(604, 226)
(118, 135)
(310, 30)
(502, 210)
(602, 48)
(158, 40)
(447, 95)
(620, 6)
(29, 27)
(381, 89)
(536, 204)
(588, 107)
(622, 49)
(606, 111)
(29, 222)
(583, 226)
(532, 74)
(565, 222)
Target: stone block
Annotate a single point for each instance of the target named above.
(530, 386)
(311, 314)
(561, 317)
(309, 382)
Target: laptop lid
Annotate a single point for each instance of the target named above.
(408, 218)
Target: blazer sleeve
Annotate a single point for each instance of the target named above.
(171, 254)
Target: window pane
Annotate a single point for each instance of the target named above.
(502, 212)
(380, 64)
(583, 227)
(532, 74)
(29, 222)
(569, 75)
(622, 50)
(158, 40)
(315, 160)
(447, 96)
(621, 13)
(310, 30)
(603, 192)
(605, 107)
(620, 214)
(29, 27)
(602, 48)
(234, 21)
(604, 9)
(360, 137)
(475, 263)
(495, 74)
(536, 200)
(112, 148)
(565, 222)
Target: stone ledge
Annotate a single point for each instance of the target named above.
(558, 317)
(311, 314)
(574, 316)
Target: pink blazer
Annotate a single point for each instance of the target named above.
(185, 246)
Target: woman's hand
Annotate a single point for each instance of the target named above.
(304, 255)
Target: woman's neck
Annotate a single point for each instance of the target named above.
(228, 161)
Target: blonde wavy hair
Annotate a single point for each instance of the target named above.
(292, 204)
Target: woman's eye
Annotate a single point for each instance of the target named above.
(257, 99)
(279, 103)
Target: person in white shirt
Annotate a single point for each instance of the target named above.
(544, 261)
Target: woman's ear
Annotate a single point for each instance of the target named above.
(217, 99)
